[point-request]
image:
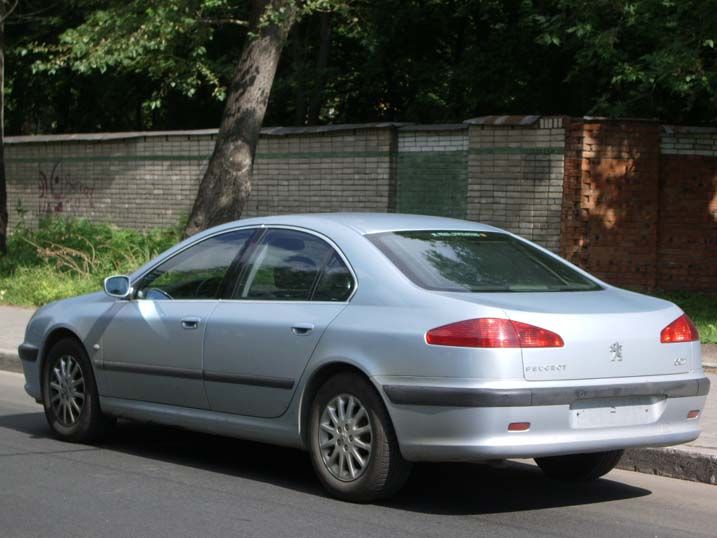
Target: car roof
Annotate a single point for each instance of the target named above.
(366, 223)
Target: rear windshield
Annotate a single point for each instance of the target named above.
(470, 261)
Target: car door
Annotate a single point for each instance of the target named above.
(257, 344)
(152, 348)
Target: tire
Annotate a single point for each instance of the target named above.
(580, 467)
(384, 471)
(58, 388)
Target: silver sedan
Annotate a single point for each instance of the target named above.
(373, 341)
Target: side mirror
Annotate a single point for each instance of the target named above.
(118, 286)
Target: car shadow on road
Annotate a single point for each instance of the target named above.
(445, 488)
(510, 486)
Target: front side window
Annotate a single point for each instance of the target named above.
(472, 261)
(195, 273)
(289, 265)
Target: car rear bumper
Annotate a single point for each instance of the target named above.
(440, 420)
(446, 396)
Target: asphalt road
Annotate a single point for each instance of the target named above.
(148, 481)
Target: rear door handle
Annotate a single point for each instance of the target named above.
(302, 328)
(190, 323)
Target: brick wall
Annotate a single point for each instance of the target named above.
(516, 175)
(145, 180)
(687, 231)
(342, 170)
(432, 170)
(632, 201)
(640, 203)
(611, 200)
(140, 181)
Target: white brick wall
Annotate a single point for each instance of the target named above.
(679, 140)
(516, 178)
(144, 180)
(151, 181)
(409, 140)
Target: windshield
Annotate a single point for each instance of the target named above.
(470, 261)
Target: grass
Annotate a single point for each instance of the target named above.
(65, 257)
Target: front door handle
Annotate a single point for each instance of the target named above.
(190, 323)
(302, 328)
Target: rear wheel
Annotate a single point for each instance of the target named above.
(353, 446)
(69, 394)
(580, 467)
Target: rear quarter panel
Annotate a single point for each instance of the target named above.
(389, 340)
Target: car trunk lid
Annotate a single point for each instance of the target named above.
(607, 333)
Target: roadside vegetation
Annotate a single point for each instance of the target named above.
(66, 257)
(702, 309)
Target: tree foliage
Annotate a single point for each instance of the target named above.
(165, 41)
(87, 65)
(643, 57)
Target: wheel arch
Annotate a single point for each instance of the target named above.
(318, 377)
(52, 338)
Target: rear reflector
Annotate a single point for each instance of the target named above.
(492, 332)
(518, 426)
(680, 330)
(693, 414)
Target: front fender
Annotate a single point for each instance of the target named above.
(84, 318)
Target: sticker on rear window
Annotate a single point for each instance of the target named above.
(458, 234)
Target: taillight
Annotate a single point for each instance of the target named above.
(492, 332)
(680, 330)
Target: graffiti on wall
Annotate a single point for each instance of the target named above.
(58, 191)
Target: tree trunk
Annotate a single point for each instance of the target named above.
(226, 184)
(3, 187)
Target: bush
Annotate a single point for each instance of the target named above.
(66, 257)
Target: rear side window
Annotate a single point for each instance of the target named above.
(290, 265)
(335, 283)
(471, 261)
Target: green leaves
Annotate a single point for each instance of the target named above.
(642, 58)
(164, 40)
(170, 43)
(138, 64)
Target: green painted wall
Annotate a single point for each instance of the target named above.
(432, 182)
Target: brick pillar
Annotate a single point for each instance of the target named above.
(611, 200)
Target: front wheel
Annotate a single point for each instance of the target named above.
(353, 446)
(69, 394)
(580, 467)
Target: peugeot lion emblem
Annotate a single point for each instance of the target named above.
(616, 352)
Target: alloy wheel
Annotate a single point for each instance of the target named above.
(67, 390)
(345, 437)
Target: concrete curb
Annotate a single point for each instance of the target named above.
(673, 463)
